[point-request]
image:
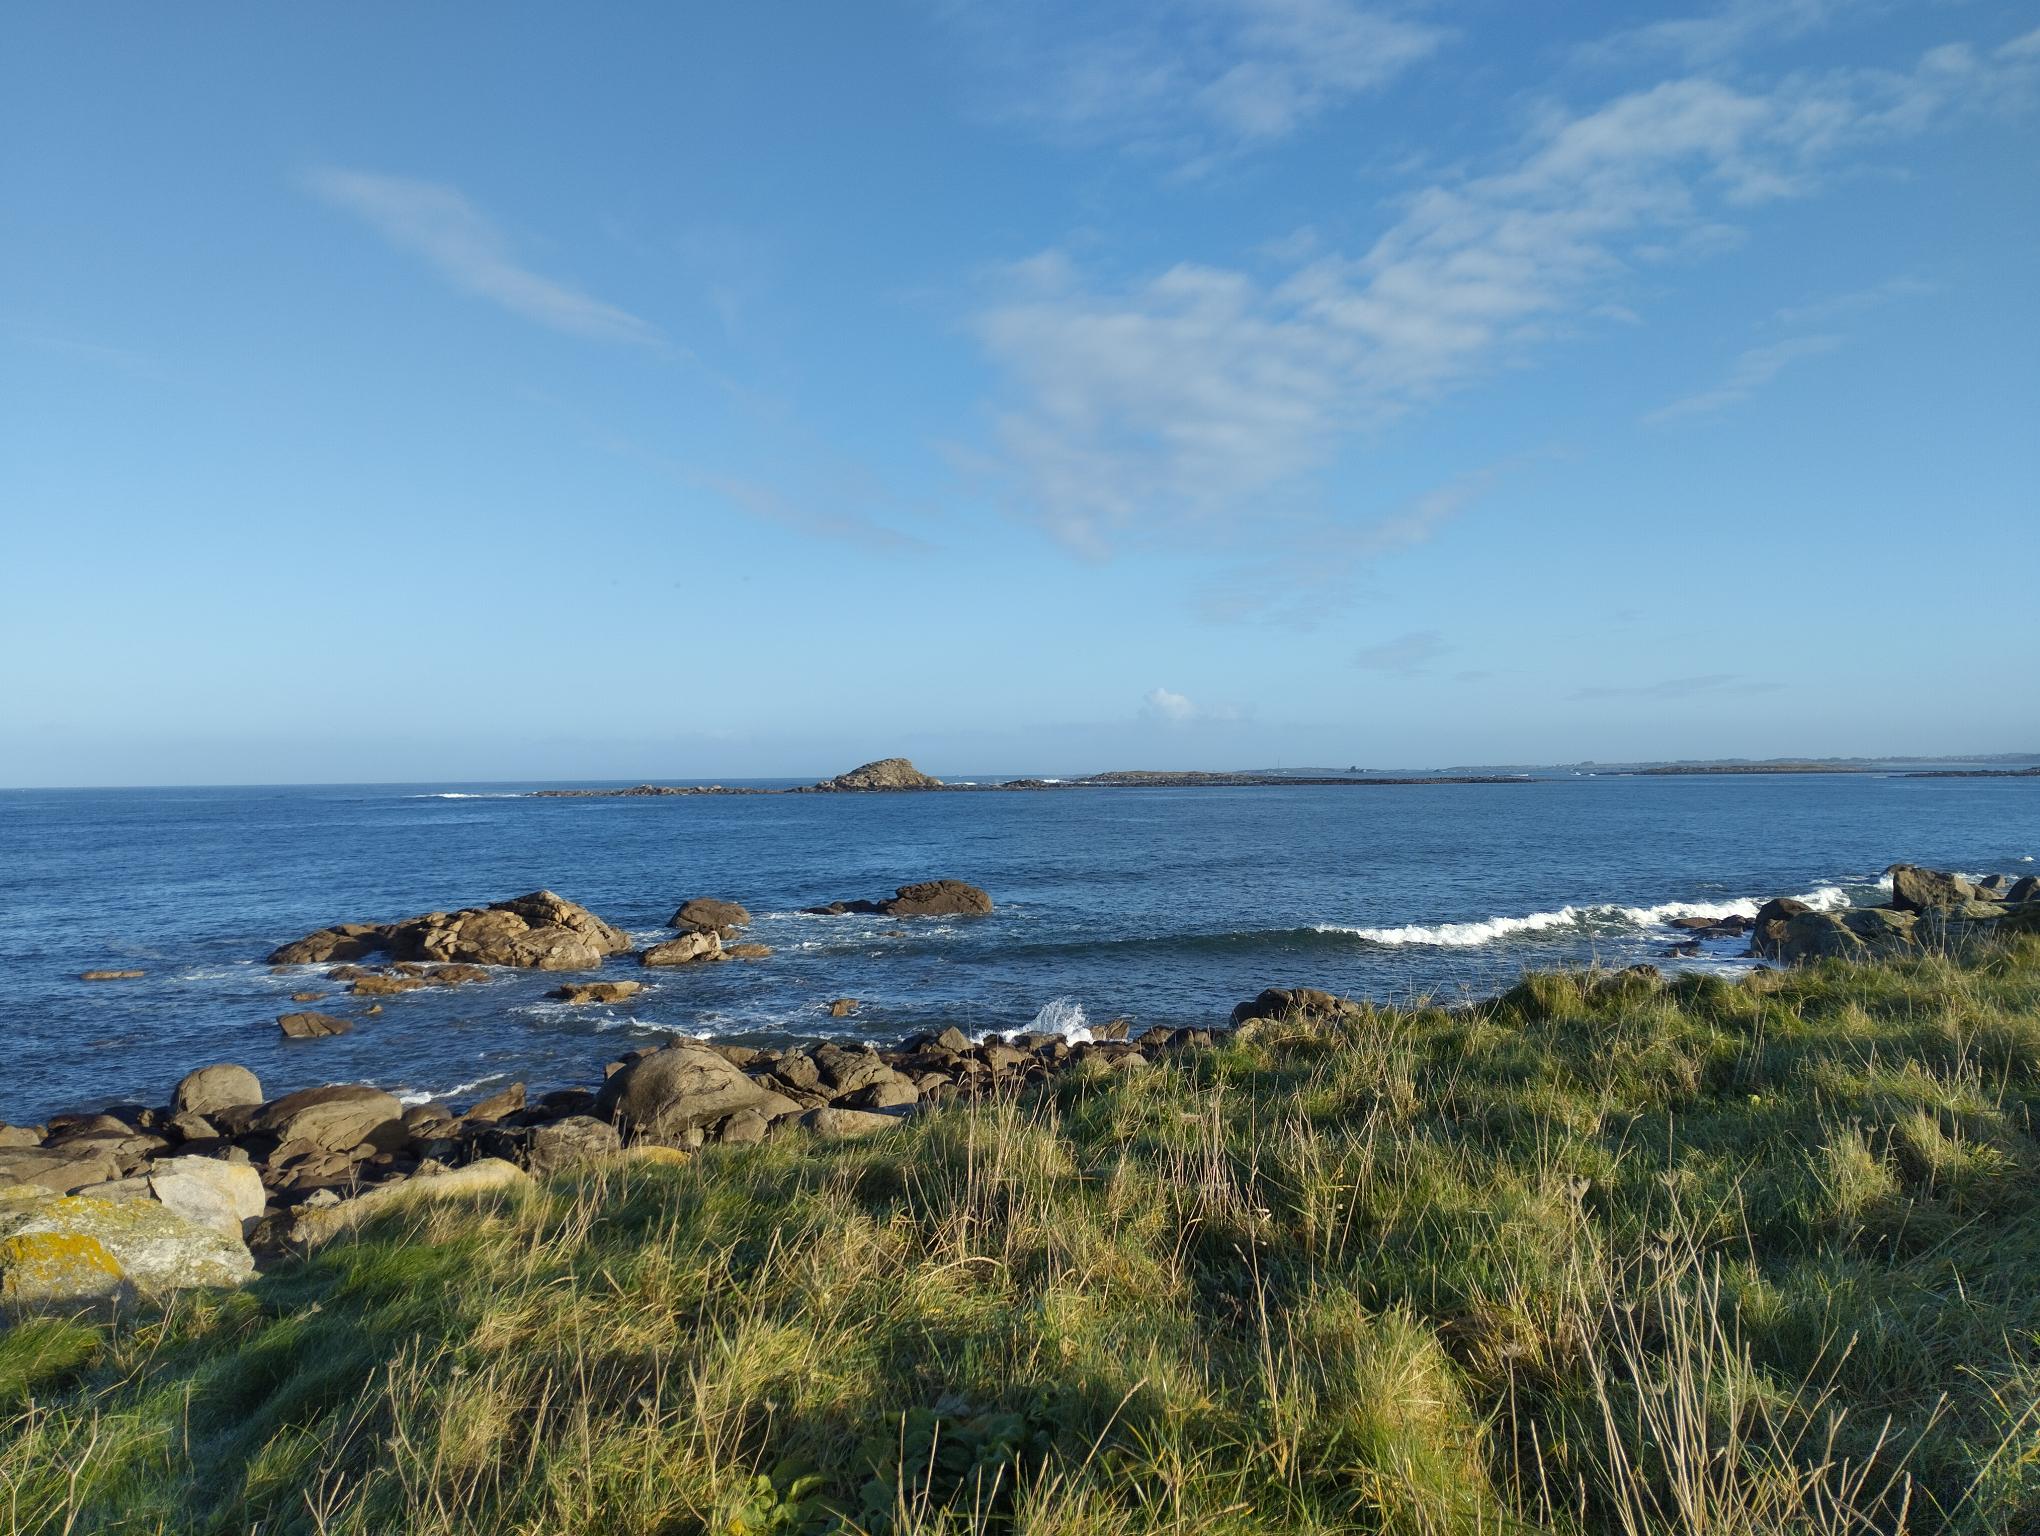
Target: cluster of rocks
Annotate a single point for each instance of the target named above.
(541, 931)
(139, 1200)
(887, 773)
(925, 898)
(1929, 909)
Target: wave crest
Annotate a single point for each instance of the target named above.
(1606, 918)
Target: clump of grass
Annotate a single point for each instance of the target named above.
(1698, 1258)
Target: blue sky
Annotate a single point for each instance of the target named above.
(465, 392)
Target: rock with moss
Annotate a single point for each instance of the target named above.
(153, 1248)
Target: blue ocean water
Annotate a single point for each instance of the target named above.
(1165, 905)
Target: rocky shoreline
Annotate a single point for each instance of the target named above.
(139, 1200)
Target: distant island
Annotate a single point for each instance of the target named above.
(890, 775)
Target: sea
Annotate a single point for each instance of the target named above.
(1157, 905)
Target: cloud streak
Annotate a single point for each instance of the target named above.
(1201, 392)
(439, 225)
(1192, 79)
(1752, 370)
(1407, 655)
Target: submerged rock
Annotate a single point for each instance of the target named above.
(923, 898)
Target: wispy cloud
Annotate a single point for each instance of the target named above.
(1202, 392)
(1408, 655)
(436, 222)
(1712, 36)
(1751, 371)
(1838, 305)
(1165, 705)
(1673, 688)
(1190, 78)
(1315, 571)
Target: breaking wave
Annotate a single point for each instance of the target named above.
(1605, 919)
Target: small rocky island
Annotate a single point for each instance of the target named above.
(891, 775)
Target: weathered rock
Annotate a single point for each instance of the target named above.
(109, 975)
(58, 1271)
(745, 1128)
(385, 985)
(335, 1119)
(843, 1007)
(312, 1026)
(937, 898)
(886, 773)
(685, 950)
(540, 931)
(1855, 933)
(845, 1071)
(216, 1087)
(597, 991)
(566, 1143)
(2025, 889)
(1914, 889)
(319, 1224)
(683, 1088)
(747, 951)
(952, 1040)
(1302, 1005)
(705, 914)
(155, 1249)
(506, 1101)
(343, 941)
(60, 1169)
(1993, 887)
(890, 1092)
(227, 1197)
(21, 1136)
(834, 1124)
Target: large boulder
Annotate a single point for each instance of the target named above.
(597, 991)
(886, 773)
(62, 1168)
(225, 1196)
(335, 1119)
(666, 1094)
(540, 932)
(311, 1026)
(567, 1143)
(1855, 934)
(157, 1251)
(704, 914)
(217, 1087)
(1768, 928)
(684, 950)
(2024, 889)
(1914, 889)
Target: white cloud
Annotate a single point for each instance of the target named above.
(1729, 29)
(1191, 78)
(1204, 392)
(1174, 708)
(1751, 372)
(1834, 306)
(437, 223)
(1407, 655)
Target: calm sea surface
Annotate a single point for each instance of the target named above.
(1165, 905)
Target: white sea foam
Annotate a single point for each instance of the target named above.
(1058, 1016)
(455, 794)
(458, 1090)
(1589, 919)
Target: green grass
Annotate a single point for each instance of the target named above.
(1702, 1259)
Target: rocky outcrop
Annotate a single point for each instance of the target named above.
(887, 773)
(597, 991)
(923, 898)
(110, 975)
(1914, 889)
(687, 949)
(1301, 1005)
(704, 914)
(311, 1026)
(685, 1088)
(540, 931)
(334, 1119)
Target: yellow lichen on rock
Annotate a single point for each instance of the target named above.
(53, 1268)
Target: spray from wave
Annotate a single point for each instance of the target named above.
(1583, 919)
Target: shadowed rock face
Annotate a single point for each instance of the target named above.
(683, 1088)
(886, 773)
(539, 932)
(707, 915)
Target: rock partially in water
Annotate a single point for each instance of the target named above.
(705, 914)
(886, 773)
(922, 898)
(110, 975)
(685, 950)
(540, 931)
(311, 1026)
(585, 992)
(1914, 889)
(214, 1088)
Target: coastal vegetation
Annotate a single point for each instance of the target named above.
(1609, 1253)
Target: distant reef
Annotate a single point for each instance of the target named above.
(892, 775)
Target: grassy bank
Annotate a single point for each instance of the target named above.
(1603, 1255)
